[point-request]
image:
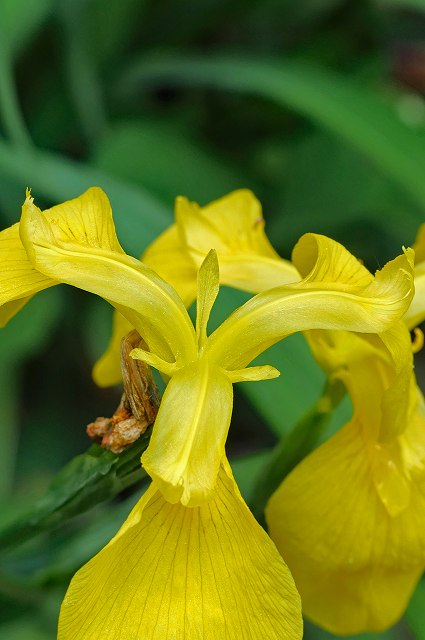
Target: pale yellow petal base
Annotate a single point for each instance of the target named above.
(179, 573)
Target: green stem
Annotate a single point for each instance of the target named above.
(294, 446)
(10, 111)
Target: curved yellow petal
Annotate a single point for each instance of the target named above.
(208, 286)
(234, 227)
(75, 243)
(336, 293)
(320, 259)
(419, 245)
(416, 312)
(378, 374)
(19, 281)
(354, 563)
(167, 256)
(188, 438)
(178, 573)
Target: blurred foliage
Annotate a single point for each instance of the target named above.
(316, 106)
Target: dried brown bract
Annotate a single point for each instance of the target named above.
(138, 406)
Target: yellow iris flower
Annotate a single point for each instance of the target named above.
(190, 562)
(349, 519)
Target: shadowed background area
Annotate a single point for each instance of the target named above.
(315, 106)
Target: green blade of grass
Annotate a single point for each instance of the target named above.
(139, 216)
(349, 110)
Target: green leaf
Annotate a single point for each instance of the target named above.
(88, 479)
(20, 20)
(75, 550)
(359, 116)
(159, 156)
(138, 215)
(335, 190)
(24, 629)
(278, 401)
(248, 469)
(112, 25)
(28, 332)
(25, 335)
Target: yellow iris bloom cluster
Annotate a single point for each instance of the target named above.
(191, 562)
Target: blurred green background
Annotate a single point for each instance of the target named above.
(317, 106)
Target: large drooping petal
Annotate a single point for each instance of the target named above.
(337, 292)
(350, 518)
(354, 563)
(75, 243)
(178, 573)
(19, 281)
(234, 227)
(187, 443)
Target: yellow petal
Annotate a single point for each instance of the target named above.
(208, 285)
(75, 242)
(234, 227)
(354, 564)
(178, 573)
(187, 443)
(319, 259)
(167, 256)
(416, 312)
(378, 374)
(419, 245)
(253, 374)
(18, 278)
(336, 293)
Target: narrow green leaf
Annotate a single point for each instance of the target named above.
(333, 189)
(88, 479)
(25, 335)
(166, 161)
(28, 332)
(81, 69)
(349, 110)
(138, 215)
